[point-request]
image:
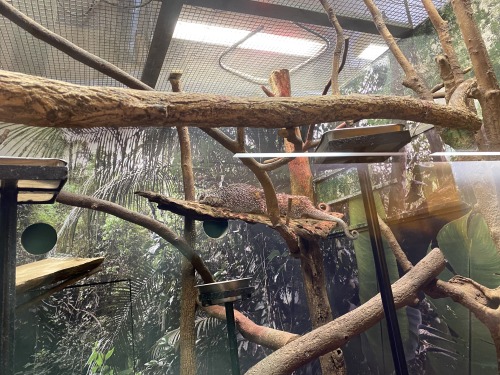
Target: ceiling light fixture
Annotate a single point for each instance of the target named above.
(372, 52)
(224, 36)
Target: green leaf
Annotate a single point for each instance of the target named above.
(469, 249)
(100, 359)
(273, 254)
(376, 343)
(109, 353)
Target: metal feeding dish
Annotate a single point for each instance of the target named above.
(370, 139)
(225, 291)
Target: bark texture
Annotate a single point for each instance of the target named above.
(338, 332)
(265, 336)
(487, 83)
(38, 101)
(312, 265)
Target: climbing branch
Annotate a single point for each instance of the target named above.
(147, 222)
(64, 45)
(412, 79)
(338, 332)
(483, 302)
(38, 101)
(337, 53)
(441, 26)
(487, 83)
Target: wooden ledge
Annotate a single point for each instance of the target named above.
(307, 228)
(52, 270)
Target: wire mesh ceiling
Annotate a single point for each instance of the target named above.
(121, 32)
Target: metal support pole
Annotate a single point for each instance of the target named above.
(8, 224)
(231, 335)
(384, 282)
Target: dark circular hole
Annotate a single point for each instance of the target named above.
(215, 228)
(39, 238)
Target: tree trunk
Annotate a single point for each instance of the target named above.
(188, 280)
(313, 270)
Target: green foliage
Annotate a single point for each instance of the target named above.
(97, 361)
(376, 345)
(470, 251)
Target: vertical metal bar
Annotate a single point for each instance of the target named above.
(384, 282)
(8, 224)
(162, 36)
(231, 336)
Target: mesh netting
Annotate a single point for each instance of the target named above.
(121, 33)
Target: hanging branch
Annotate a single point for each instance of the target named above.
(344, 59)
(64, 45)
(337, 53)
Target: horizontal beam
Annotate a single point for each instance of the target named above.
(164, 30)
(293, 14)
(39, 101)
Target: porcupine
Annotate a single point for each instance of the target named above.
(249, 199)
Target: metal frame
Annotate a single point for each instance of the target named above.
(170, 11)
(165, 25)
(10, 175)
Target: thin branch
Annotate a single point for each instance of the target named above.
(224, 139)
(398, 252)
(240, 137)
(189, 294)
(274, 164)
(64, 45)
(337, 53)
(147, 222)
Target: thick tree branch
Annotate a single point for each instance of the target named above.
(442, 30)
(37, 101)
(487, 83)
(64, 45)
(412, 79)
(261, 335)
(338, 332)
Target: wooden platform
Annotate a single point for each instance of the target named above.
(53, 270)
(307, 228)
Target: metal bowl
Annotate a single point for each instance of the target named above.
(224, 286)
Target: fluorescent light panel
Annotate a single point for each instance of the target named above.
(312, 154)
(224, 36)
(373, 51)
